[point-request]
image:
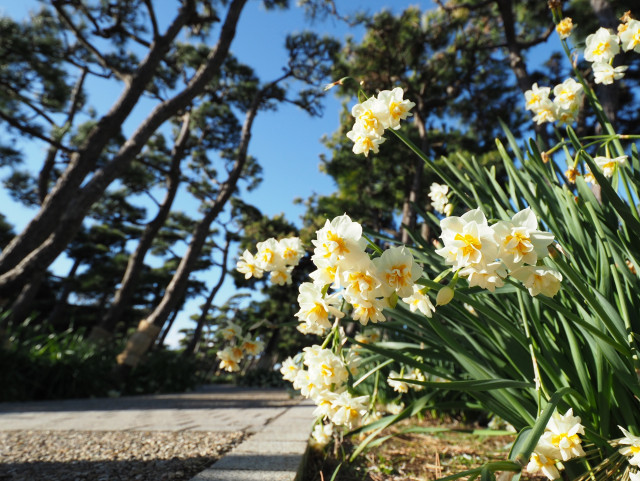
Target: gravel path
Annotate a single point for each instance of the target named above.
(110, 455)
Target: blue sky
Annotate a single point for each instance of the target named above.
(286, 142)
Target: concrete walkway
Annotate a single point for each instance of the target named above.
(279, 425)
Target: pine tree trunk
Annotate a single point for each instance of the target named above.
(136, 260)
(194, 342)
(150, 327)
(46, 237)
(60, 200)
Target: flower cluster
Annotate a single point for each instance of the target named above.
(560, 442)
(439, 200)
(398, 380)
(239, 346)
(374, 115)
(322, 376)
(277, 257)
(630, 449)
(343, 266)
(602, 46)
(565, 105)
(483, 253)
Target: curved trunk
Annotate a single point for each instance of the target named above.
(148, 330)
(53, 236)
(60, 200)
(136, 260)
(194, 342)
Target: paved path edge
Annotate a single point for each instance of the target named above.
(276, 452)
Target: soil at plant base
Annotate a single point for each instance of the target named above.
(412, 456)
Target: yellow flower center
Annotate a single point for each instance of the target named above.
(557, 439)
(267, 255)
(396, 110)
(289, 253)
(360, 281)
(534, 99)
(472, 244)
(634, 449)
(398, 275)
(523, 243)
(319, 311)
(369, 120)
(601, 48)
(327, 371)
(341, 248)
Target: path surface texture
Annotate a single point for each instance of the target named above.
(267, 429)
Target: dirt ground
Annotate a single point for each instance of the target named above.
(415, 456)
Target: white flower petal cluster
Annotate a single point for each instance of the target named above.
(564, 27)
(629, 34)
(559, 442)
(609, 166)
(439, 200)
(321, 435)
(376, 114)
(239, 345)
(631, 447)
(322, 376)
(601, 46)
(420, 301)
(484, 254)
(277, 257)
(604, 73)
(563, 108)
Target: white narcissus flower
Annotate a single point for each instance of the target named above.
(564, 27)
(230, 331)
(438, 196)
(398, 270)
(268, 256)
(394, 408)
(419, 301)
(394, 381)
(281, 276)
(348, 410)
(360, 280)
(546, 112)
(307, 387)
(467, 240)
(321, 435)
(325, 368)
(488, 276)
(520, 241)
(369, 311)
(561, 438)
(291, 250)
(539, 462)
(535, 98)
(608, 165)
(568, 94)
(604, 73)
(367, 119)
(248, 266)
(363, 142)
(391, 108)
(229, 359)
(601, 46)
(339, 239)
(289, 369)
(253, 347)
(539, 280)
(312, 328)
(325, 272)
(630, 36)
(631, 447)
(316, 309)
(634, 476)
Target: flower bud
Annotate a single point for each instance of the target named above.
(444, 296)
